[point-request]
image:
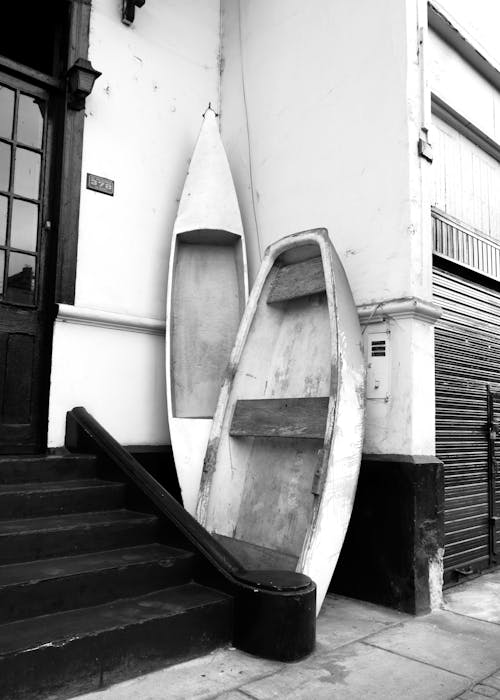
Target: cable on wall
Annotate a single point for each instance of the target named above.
(248, 133)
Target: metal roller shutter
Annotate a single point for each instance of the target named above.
(467, 370)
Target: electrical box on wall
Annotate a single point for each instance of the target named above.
(378, 365)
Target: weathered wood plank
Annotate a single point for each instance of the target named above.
(303, 417)
(206, 309)
(277, 490)
(298, 280)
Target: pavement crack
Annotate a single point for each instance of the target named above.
(239, 688)
(471, 617)
(244, 692)
(420, 661)
(482, 681)
(367, 636)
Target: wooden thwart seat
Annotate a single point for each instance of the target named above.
(297, 280)
(291, 418)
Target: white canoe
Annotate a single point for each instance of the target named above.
(282, 464)
(207, 292)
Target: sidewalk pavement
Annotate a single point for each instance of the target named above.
(364, 652)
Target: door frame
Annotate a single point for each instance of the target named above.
(70, 149)
(32, 318)
(71, 162)
(65, 185)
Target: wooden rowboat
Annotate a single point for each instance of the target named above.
(282, 464)
(207, 292)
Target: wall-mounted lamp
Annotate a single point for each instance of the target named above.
(128, 10)
(81, 79)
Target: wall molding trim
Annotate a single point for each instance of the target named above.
(380, 312)
(107, 319)
(407, 307)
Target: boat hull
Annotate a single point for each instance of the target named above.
(282, 464)
(207, 292)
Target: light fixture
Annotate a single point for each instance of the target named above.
(81, 79)
(128, 10)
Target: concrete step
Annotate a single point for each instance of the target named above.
(28, 539)
(29, 589)
(81, 650)
(23, 469)
(28, 500)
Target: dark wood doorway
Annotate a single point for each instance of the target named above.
(34, 54)
(26, 150)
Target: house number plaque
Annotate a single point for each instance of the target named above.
(100, 184)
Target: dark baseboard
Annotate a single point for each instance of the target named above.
(396, 529)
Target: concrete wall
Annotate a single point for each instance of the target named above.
(142, 120)
(322, 106)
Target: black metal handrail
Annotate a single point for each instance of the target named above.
(184, 521)
(274, 610)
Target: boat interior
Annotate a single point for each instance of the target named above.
(208, 276)
(270, 456)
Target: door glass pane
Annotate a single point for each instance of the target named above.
(30, 121)
(27, 173)
(21, 278)
(24, 225)
(4, 202)
(2, 267)
(4, 166)
(6, 111)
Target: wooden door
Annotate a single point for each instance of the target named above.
(25, 145)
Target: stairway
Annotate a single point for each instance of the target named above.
(90, 593)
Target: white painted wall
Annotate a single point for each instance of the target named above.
(322, 106)
(463, 88)
(401, 425)
(466, 180)
(117, 375)
(142, 120)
